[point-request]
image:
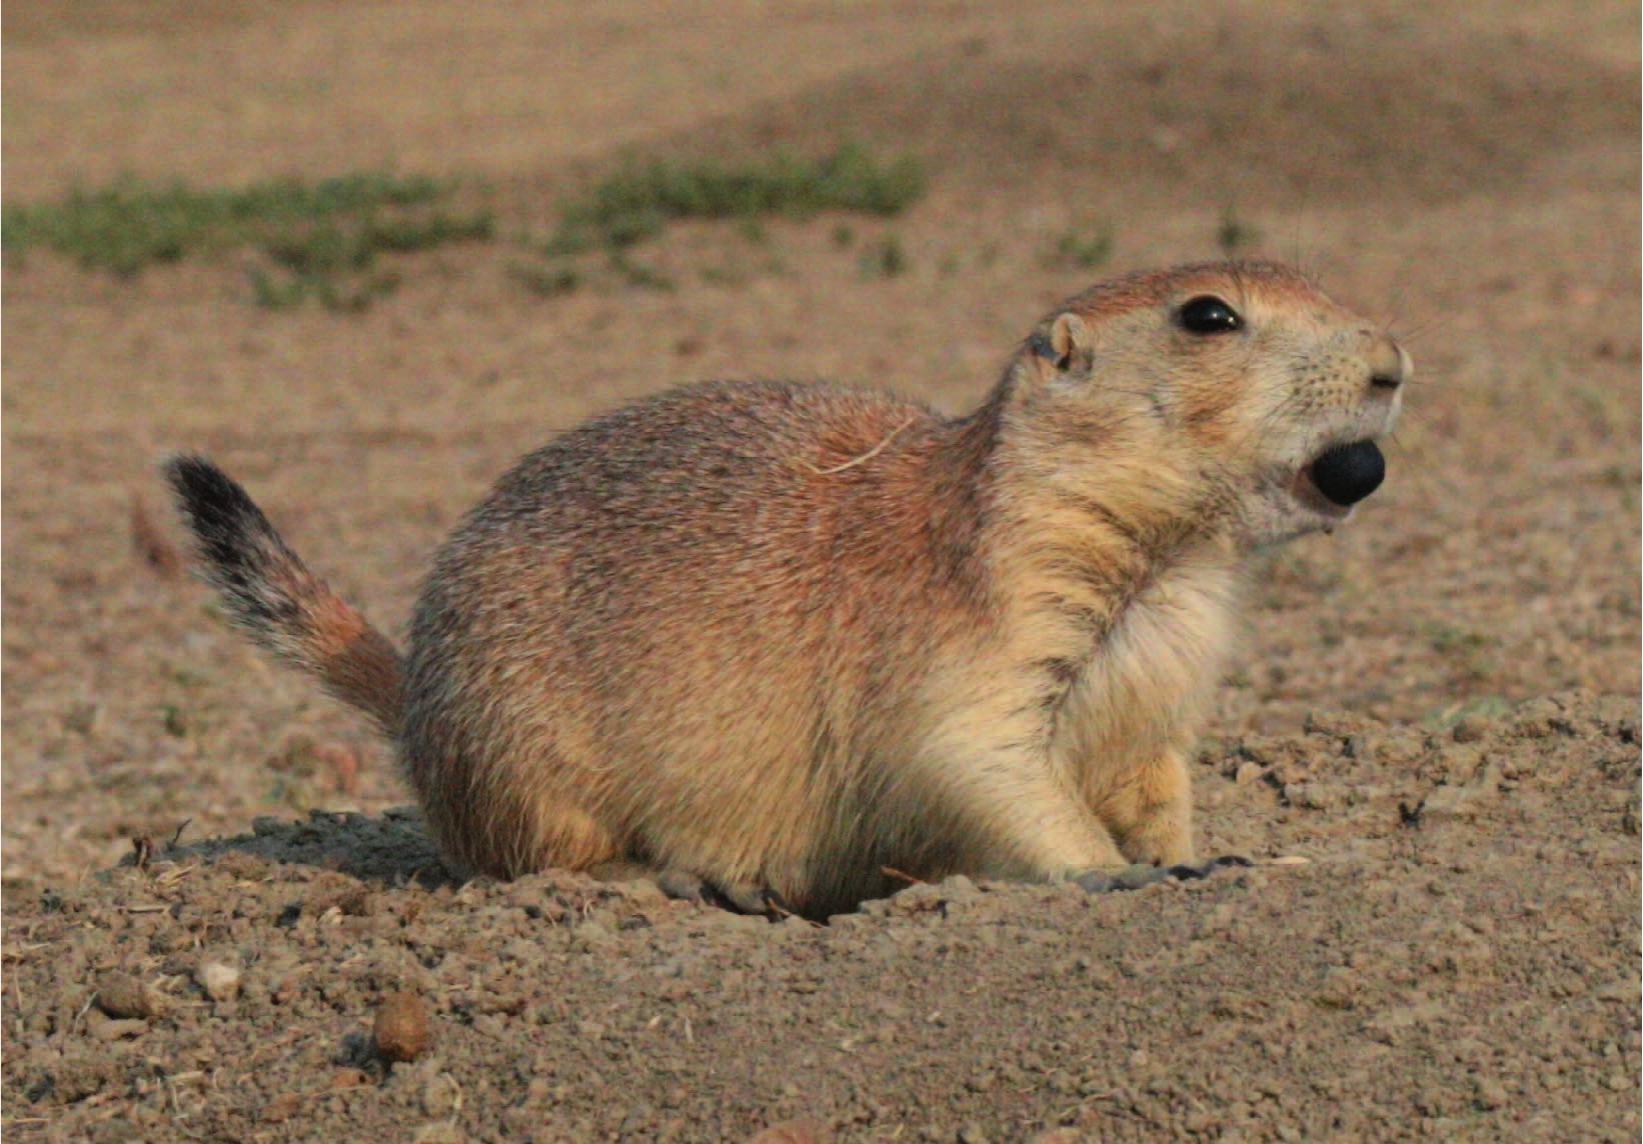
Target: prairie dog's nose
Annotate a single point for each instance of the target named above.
(1389, 363)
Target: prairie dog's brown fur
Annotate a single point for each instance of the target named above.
(787, 636)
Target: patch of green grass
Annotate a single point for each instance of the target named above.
(643, 197)
(324, 241)
(349, 295)
(322, 237)
(640, 200)
(1083, 249)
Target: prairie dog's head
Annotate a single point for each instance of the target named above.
(1243, 376)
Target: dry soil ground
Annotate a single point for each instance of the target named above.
(1438, 707)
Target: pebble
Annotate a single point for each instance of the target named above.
(221, 982)
(401, 1028)
(121, 995)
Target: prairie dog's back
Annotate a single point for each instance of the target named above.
(675, 590)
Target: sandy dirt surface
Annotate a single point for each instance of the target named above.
(1429, 746)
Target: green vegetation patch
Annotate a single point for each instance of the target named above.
(639, 200)
(644, 196)
(325, 240)
(321, 239)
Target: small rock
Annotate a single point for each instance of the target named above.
(401, 1028)
(221, 982)
(121, 995)
(972, 1133)
(1248, 773)
(349, 1078)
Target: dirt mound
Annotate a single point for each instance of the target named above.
(1441, 938)
(1217, 107)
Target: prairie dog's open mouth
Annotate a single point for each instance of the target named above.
(1340, 477)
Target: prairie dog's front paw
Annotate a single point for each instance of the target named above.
(1162, 839)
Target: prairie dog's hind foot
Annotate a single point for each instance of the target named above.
(738, 897)
(683, 886)
(1137, 876)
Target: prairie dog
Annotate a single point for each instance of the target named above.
(786, 636)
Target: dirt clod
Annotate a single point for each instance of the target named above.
(401, 1030)
(121, 995)
(220, 981)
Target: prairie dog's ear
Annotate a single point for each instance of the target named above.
(1063, 348)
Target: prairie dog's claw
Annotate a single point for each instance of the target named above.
(739, 897)
(1135, 877)
(748, 898)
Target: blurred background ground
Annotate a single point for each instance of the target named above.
(1468, 174)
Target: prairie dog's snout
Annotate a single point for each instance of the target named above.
(777, 638)
(1389, 363)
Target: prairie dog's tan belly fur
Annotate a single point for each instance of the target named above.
(787, 636)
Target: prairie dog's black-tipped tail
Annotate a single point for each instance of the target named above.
(273, 598)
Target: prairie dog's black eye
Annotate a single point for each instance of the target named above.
(1207, 314)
